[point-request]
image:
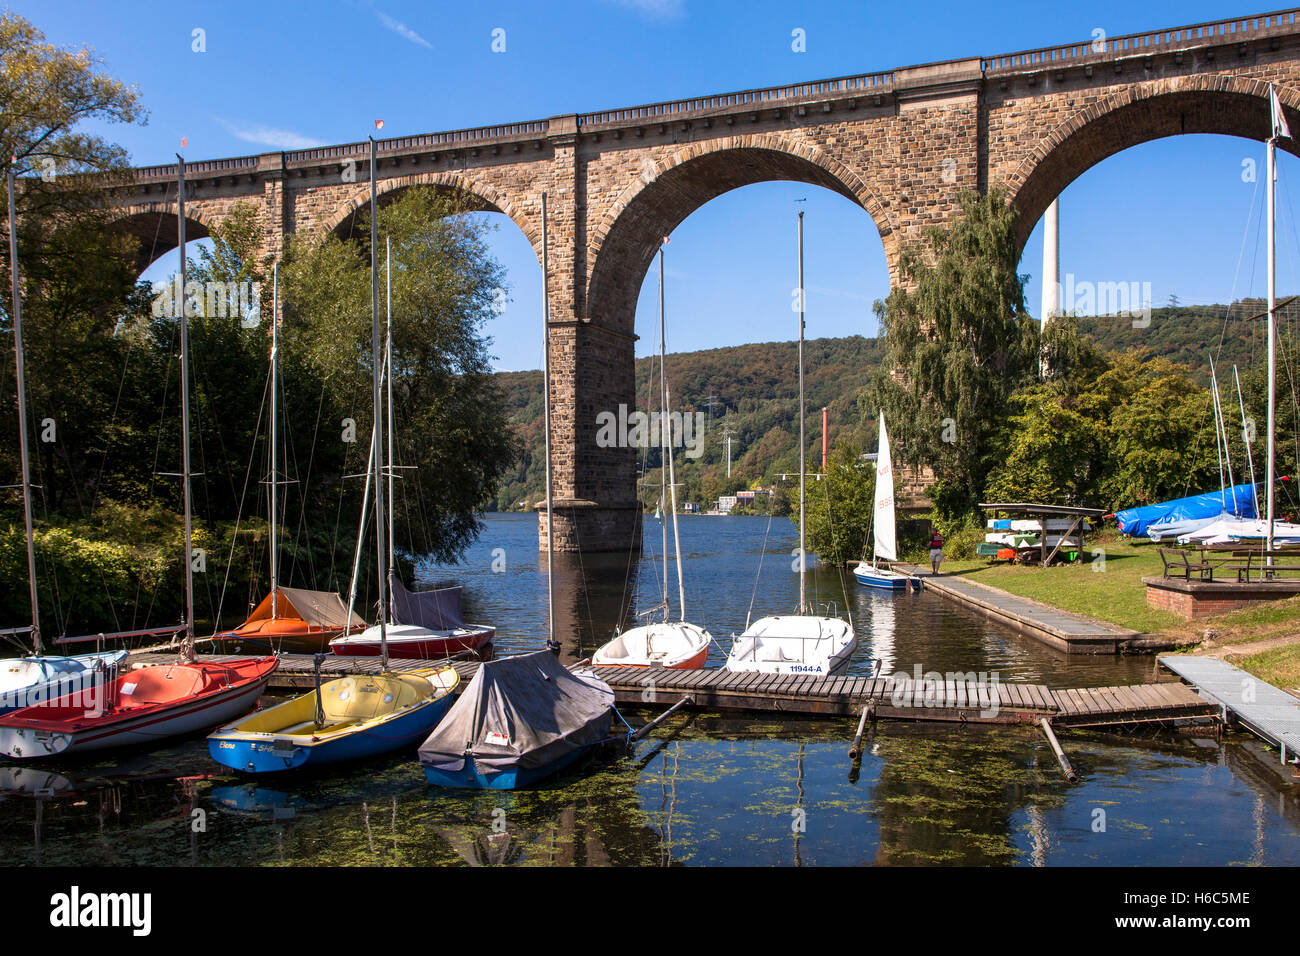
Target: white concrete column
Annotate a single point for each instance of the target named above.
(1051, 262)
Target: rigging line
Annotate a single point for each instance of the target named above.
(303, 491)
(157, 454)
(239, 514)
(761, 553)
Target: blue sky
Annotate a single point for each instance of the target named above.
(277, 75)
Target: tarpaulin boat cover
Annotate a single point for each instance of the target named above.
(1167, 528)
(1229, 530)
(1239, 500)
(323, 609)
(438, 610)
(520, 712)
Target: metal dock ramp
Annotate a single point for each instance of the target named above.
(1268, 712)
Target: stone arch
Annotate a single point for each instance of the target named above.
(485, 196)
(622, 244)
(154, 226)
(1228, 105)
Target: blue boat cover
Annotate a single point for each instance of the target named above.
(1239, 501)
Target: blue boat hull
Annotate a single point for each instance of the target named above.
(262, 755)
(890, 583)
(471, 778)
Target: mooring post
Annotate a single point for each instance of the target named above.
(1061, 758)
(855, 751)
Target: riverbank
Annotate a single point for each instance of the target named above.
(1107, 586)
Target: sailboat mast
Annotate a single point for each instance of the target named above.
(187, 647)
(377, 431)
(1272, 301)
(275, 392)
(666, 421)
(21, 383)
(803, 561)
(546, 428)
(388, 366)
(663, 440)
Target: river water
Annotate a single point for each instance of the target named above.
(704, 789)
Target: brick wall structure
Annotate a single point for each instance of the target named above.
(901, 144)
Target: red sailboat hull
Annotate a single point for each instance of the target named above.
(141, 706)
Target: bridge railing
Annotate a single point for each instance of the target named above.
(402, 144)
(236, 164)
(1156, 41)
(863, 82)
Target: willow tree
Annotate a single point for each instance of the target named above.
(958, 343)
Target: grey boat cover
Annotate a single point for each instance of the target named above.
(520, 712)
(437, 610)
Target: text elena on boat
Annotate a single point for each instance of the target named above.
(520, 720)
(884, 547)
(296, 620)
(147, 704)
(351, 717)
(799, 643)
(676, 644)
(37, 677)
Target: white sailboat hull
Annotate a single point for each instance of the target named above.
(793, 644)
(674, 644)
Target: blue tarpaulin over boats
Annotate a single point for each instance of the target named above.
(1239, 500)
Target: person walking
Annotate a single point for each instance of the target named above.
(936, 550)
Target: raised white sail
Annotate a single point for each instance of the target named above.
(883, 514)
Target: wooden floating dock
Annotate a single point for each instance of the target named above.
(949, 700)
(1266, 711)
(1062, 630)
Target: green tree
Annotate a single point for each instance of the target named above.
(958, 342)
(839, 507)
(453, 443)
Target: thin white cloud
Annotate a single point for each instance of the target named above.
(655, 9)
(400, 28)
(269, 136)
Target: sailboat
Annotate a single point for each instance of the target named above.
(351, 717)
(38, 677)
(423, 625)
(882, 524)
(289, 619)
(799, 643)
(524, 718)
(679, 644)
(147, 704)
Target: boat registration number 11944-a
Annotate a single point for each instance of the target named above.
(806, 669)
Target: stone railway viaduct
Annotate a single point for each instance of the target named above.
(901, 144)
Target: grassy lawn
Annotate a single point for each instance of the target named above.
(1115, 594)
(1279, 667)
